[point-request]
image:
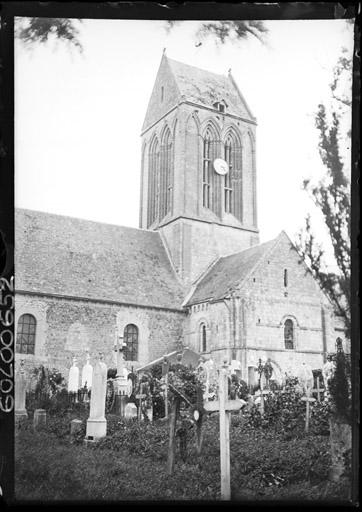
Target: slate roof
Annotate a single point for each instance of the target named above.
(82, 258)
(205, 88)
(228, 272)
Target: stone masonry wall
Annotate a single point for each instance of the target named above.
(160, 331)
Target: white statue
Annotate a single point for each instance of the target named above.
(87, 373)
(73, 380)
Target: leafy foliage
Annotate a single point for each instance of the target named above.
(223, 31)
(339, 389)
(39, 30)
(331, 195)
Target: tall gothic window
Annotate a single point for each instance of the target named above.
(233, 179)
(210, 180)
(153, 184)
(203, 338)
(207, 170)
(288, 334)
(165, 174)
(130, 338)
(25, 337)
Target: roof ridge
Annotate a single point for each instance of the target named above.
(196, 67)
(42, 212)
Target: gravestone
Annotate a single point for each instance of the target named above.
(73, 380)
(130, 411)
(87, 373)
(20, 394)
(40, 419)
(75, 426)
(97, 423)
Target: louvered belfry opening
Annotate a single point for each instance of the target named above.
(165, 175)
(211, 193)
(233, 179)
(153, 183)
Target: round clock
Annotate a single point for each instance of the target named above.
(220, 166)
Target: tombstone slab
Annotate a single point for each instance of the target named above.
(40, 419)
(20, 394)
(97, 423)
(130, 411)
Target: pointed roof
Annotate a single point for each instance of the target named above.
(229, 272)
(81, 258)
(183, 82)
(205, 88)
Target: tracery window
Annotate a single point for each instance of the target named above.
(25, 337)
(165, 174)
(288, 334)
(153, 184)
(130, 338)
(210, 180)
(233, 179)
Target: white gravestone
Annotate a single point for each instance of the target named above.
(327, 372)
(97, 423)
(20, 393)
(73, 380)
(87, 373)
(305, 376)
(130, 411)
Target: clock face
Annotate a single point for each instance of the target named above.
(220, 166)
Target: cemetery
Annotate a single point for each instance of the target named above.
(177, 431)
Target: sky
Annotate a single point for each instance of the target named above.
(78, 116)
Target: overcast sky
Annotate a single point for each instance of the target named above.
(78, 117)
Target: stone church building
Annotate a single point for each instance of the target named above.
(194, 274)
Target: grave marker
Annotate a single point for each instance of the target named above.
(20, 394)
(97, 423)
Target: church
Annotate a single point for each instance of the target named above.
(194, 273)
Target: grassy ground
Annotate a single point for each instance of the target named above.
(127, 467)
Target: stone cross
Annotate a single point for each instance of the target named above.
(73, 380)
(97, 423)
(87, 373)
(224, 406)
(20, 393)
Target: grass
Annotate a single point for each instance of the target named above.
(264, 465)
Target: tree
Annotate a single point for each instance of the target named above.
(224, 31)
(331, 195)
(39, 30)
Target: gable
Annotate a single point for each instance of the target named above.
(80, 258)
(282, 273)
(164, 96)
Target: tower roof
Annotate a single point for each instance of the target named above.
(205, 88)
(183, 82)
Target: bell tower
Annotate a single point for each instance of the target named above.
(198, 176)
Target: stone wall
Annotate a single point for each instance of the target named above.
(252, 321)
(66, 328)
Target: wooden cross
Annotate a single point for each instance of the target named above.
(307, 398)
(318, 390)
(224, 406)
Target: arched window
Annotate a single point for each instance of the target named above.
(288, 334)
(210, 180)
(203, 338)
(153, 184)
(233, 179)
(165, 174)
(130, 338)
(25, 337)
